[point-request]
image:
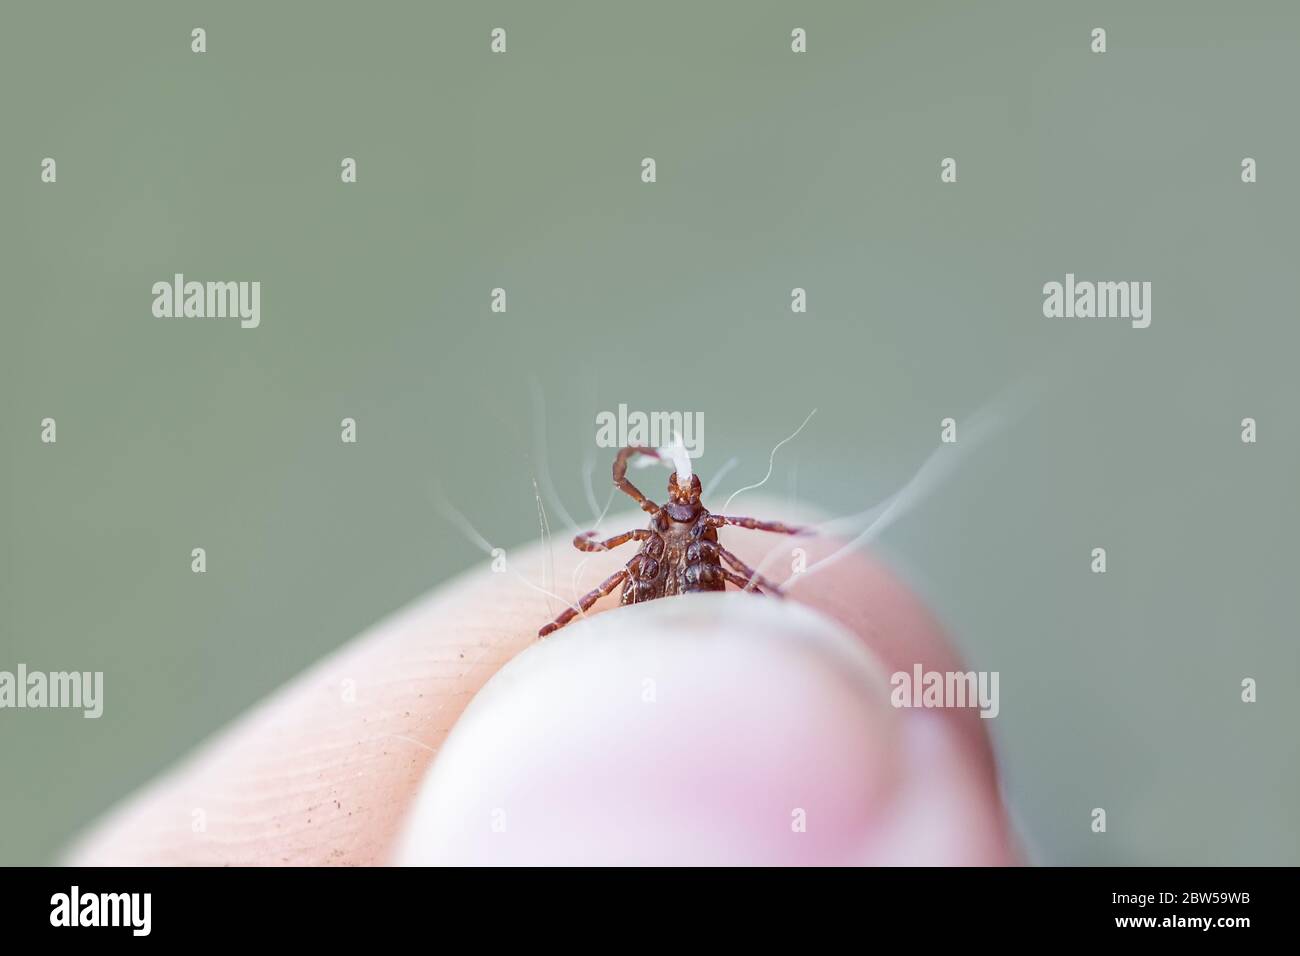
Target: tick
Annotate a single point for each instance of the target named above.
(680, 552)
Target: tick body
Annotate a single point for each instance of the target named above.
(680, 552)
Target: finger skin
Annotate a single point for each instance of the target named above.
(712, 729)
(324, 771)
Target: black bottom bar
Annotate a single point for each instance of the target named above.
(368, 906)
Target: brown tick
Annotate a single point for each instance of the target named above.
(680, 552)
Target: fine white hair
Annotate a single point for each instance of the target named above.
(676, 453)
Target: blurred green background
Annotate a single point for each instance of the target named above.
(775, 170)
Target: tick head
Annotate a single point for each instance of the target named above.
(687, 494)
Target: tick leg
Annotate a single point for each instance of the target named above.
(741, 583)
(748, 573)
(717, 521)
(588, 599)
(620, 475)
(584, 542)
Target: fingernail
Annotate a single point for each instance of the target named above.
(703, 729)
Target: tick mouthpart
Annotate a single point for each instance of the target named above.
(687, 495)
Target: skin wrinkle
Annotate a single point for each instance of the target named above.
(306, 754)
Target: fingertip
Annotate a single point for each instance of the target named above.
(707, 729)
